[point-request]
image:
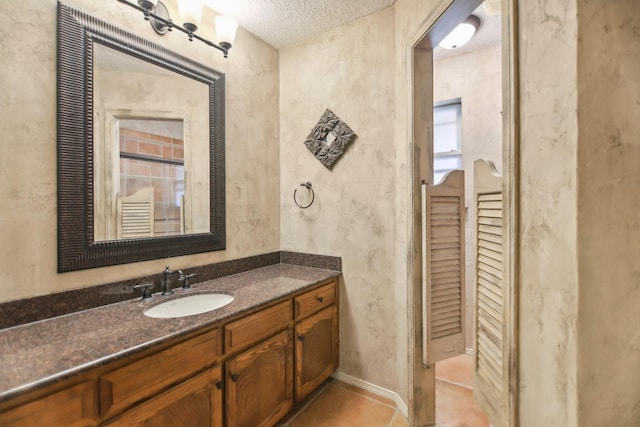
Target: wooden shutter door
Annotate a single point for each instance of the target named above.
(443, 268)
(136, 214)
(491, 385)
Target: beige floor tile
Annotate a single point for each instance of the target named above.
(338, 404)
(301, 406)
(456, 407)
(363, 392)
(399, 420)
(458, 370)
(338, 407)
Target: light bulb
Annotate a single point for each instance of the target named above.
(226, 28)
(190, 13)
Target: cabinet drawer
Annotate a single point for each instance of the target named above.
(312, 301)
(255, 327)
(194, 402)
(138, 380)
(72, 407)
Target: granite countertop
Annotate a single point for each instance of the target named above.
(41, 353)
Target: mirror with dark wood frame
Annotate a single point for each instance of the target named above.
(85, 238)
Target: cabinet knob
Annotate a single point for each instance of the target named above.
(320, 299)
(219, 385)
(301, 338)
(235, 377)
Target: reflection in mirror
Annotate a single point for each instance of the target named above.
(141, 148)
(147, 182)
(151, 166)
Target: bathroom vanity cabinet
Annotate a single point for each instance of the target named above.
(317, 338)
(245, 372)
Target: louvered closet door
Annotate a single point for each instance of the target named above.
(443, 268)
(491, 373)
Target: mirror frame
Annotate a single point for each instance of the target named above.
(77, 250)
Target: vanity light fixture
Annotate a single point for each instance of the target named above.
(461, 34)
(191, 13)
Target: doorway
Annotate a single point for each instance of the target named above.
(502, 410)
(467, 93)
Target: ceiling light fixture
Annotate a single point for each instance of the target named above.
(191, 13)
(461, 34)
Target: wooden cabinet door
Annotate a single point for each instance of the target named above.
(259, 383)
(196, 402)
(317, 351)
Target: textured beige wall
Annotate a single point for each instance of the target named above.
(475, 78)
(28, 256)
(349, 71)
(608, 212)
(548, 271)
(548, 217)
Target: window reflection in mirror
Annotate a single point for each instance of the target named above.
(151, 196)
(151, 136)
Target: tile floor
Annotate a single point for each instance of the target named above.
(337, 404)
(455, 404)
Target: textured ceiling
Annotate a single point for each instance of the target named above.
(285, 22)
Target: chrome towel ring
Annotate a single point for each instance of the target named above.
(313, 195)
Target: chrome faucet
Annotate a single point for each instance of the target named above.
(165, 284)
(184, 279)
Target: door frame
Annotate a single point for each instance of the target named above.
(438, 23)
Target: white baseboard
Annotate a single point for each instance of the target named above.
(375, 389)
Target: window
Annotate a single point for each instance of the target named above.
(145, 188)
(154, 157)
(447, 138)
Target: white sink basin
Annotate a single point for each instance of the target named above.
(189, 305)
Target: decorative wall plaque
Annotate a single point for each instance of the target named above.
(329, 139)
